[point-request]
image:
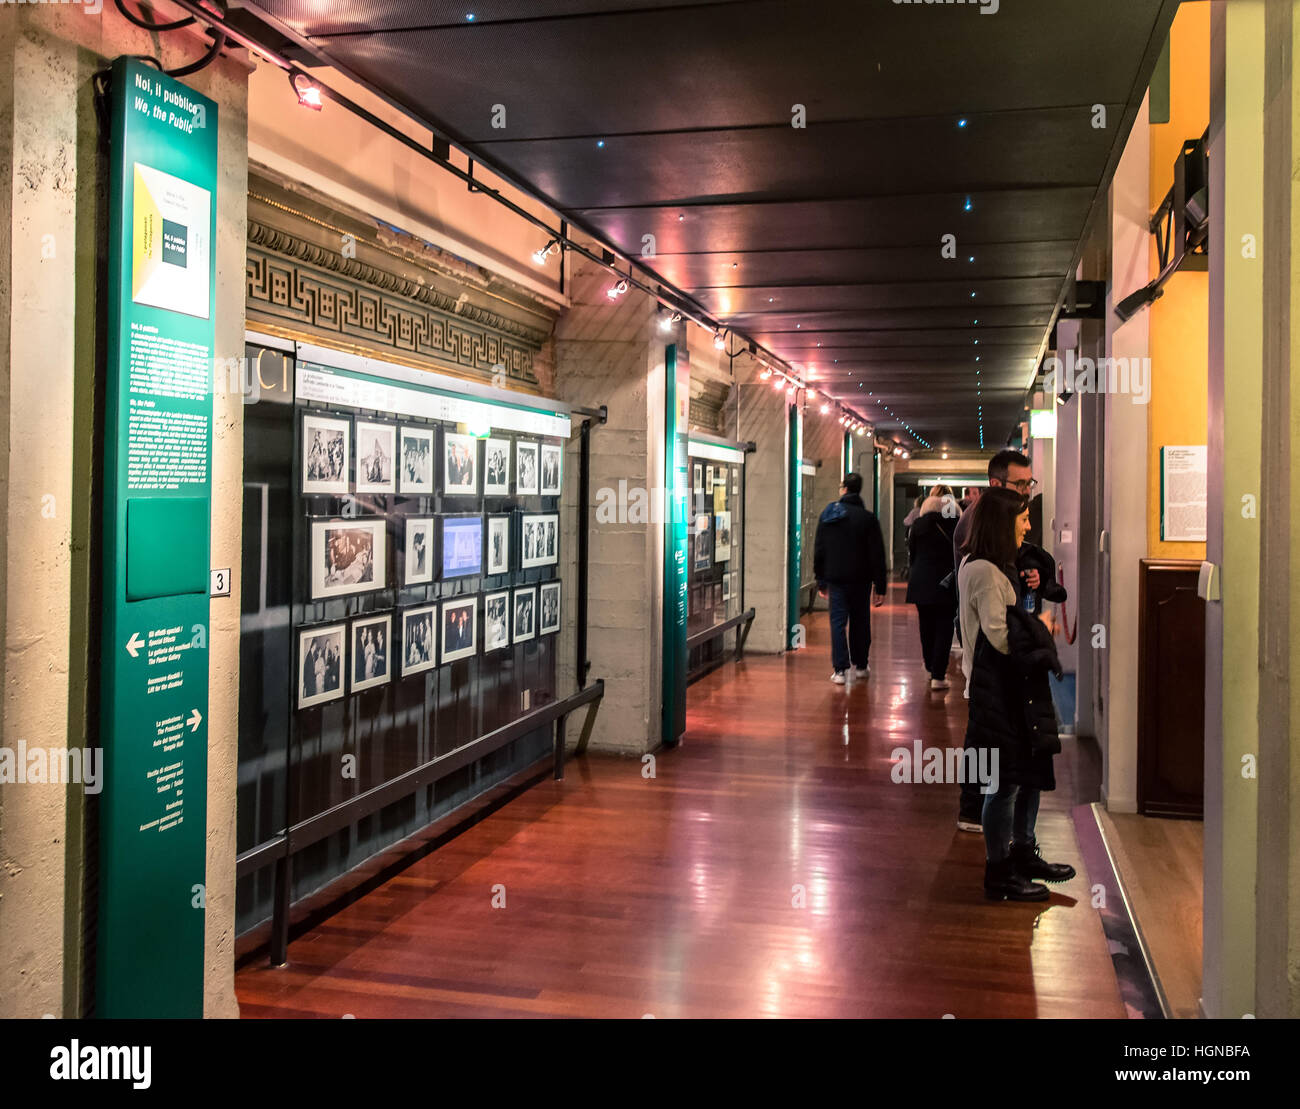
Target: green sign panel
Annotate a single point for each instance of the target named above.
(794, 525)
(677, 398)
(157, 512)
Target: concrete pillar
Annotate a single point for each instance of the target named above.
(1277, 877)
(1236, 296)
(52, 237)
(611, 352)
(763, 420)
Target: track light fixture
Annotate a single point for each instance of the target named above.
(307, 91)
(617, 289)
(540, 255)
(719, 343)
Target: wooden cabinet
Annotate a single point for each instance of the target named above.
(1171, 690)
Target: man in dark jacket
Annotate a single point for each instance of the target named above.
(848, 559)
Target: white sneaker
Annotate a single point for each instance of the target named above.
(838, 677)
(969, 826)
(861, 671)
(938, 683)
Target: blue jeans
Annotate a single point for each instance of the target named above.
(851, 607)
(1009, 815)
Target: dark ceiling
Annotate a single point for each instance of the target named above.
(673, 118)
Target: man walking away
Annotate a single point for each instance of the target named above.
(849, 559)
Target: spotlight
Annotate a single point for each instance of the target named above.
(617, 289)
(825, 408)
(542, 253)
(719, 343)
(778, 381)
(307, 91)
(665, 321)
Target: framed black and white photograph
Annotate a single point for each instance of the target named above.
(496, 621)
(722, 537)
(525, 467)
(376, 458)
(703, 548)
(325, 454)
(496, 467)
(548, 603)
(552, 463)
(419, 642)
(459, 628)
(498, 545)
(726, 587)
(320, 665)
(525, 614)
(735, 482)
(708, 480)
(460, 465)
(372, 642)
(539, 540)
(348, 556)
(415, 472)
(697, 484)
(418, 566)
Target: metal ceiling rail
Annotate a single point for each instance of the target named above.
(662, 291)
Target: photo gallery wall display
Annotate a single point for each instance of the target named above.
(418, 565)
(524, 606)
(459, 465)
(376, 457)
(462, 546)
(551, 467)
(498, 545)
(459, 628)
(539, 540)
(348, 556)
(722, 537)
(419, 639)
(325, 454)
(372, 641)
(496, 467)
(320, 664)
(496, 621)
(415, 460)
(548, 604)
(526, 481)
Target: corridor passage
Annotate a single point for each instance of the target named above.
(771, 867)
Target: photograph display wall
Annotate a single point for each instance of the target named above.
(427, 598)
(714, 575)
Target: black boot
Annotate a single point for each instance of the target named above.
(1002, 883)
(1029, 863)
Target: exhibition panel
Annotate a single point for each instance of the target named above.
(716, 568)
(402, 601)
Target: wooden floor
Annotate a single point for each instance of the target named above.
(1161, 863)
(770, 868)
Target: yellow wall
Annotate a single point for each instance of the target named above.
(1179, 337)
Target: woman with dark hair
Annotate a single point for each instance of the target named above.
(929, 588)
(1006, 656)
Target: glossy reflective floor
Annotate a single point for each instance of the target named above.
(771, 867)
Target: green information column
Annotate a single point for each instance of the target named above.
(846, 466)
(794, 526)
(677, 399)
(157, 510)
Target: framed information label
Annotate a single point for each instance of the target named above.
(1182, 494)
(157, 513)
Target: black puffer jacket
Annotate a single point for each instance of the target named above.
(1011, 702)
(929, 545)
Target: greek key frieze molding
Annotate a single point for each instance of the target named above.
(370, 306)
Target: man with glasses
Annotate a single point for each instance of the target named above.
(1008, 468)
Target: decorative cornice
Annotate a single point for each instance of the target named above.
(293, 246)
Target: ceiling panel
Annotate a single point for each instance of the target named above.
(673, 119)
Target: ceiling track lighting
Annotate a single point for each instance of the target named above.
(617, 289)
(307, 91)
(540, 255)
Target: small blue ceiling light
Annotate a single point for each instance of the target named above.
(600, 142)
(972, 292)
(968, 205)
(971, 258)
(469, 17)
(961, 123)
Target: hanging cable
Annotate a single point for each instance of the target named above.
(149, 25)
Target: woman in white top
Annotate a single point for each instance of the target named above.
(1006, 725)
